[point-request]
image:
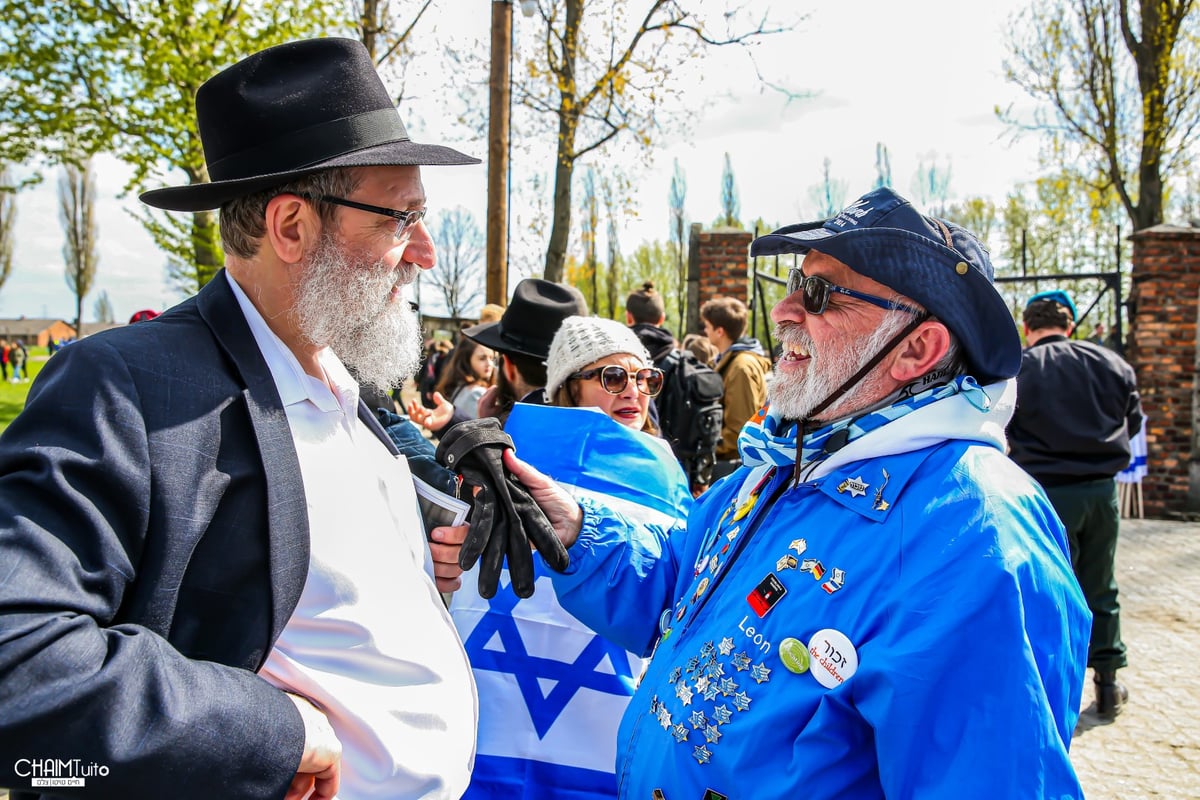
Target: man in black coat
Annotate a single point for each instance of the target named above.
(202, 529)
(1077, 407)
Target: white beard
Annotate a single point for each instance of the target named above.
(795, 396)
(343, 302)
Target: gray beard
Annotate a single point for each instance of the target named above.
(796, 397)
(342, 302)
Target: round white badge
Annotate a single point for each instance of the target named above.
(832, 658)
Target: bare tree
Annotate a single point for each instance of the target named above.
(76, 206)
(679, 230)
(830, 194)
(588, 232)
(382, 32)
(931, 185)
(459, 272)
(613, 78)
(1122, 83)
(883, 166)
(614, 279)
(103, 310)
(8, 223)
(730, 208)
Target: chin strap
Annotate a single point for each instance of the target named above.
(803, 425)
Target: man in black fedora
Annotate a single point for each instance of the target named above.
(522, 337)
(213, 579)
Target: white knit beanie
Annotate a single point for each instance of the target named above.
(582, 340)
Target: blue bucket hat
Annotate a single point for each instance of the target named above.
(1056, 296)
(935, 262)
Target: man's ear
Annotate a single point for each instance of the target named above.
(292, 227)
(920, 351)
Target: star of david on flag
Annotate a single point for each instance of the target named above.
(552, 692)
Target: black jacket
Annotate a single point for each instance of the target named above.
(1077, 406)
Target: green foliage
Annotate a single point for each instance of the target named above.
(120, 77)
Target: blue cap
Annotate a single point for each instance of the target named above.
(1058, 296)
(935, 262)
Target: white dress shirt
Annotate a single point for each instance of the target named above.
(370, 642)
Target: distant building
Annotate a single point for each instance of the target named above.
(35, 332)
(95, 327)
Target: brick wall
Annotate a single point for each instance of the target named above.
(719, 267)
(1162, 349)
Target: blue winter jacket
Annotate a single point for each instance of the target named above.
(905, 626)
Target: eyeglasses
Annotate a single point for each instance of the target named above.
(816, 291)
(614, 379)
(404, 219)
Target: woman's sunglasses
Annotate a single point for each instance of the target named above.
(614, 379)
(815, 293)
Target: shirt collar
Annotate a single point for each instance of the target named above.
(293, 383)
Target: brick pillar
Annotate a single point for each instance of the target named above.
(1162, 350)
(719, 267)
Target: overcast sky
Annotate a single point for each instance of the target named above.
(923, 77)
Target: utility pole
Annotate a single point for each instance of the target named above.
(500, 91)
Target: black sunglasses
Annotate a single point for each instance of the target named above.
(816, 290)
(614, 379)
(404, 219)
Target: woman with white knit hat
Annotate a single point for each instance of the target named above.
(601, 363)
(529, 743)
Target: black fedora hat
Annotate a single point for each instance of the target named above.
(533, 316)
(292, 110)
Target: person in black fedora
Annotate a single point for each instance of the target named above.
(878, 584)
(205, 553)
(522, 338)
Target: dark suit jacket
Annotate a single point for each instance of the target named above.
(153, 544)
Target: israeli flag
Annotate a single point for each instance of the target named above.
(551, 692)
(1137, 459)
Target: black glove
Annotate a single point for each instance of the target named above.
(505, 519)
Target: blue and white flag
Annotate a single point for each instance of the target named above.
(1137, 459)
(552, 692)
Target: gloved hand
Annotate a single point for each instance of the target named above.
(505, 519)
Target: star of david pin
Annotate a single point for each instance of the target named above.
(722, 714)
(702, 754)
(742, 701)
(854, 486)
(698, 720)
(726, 646)
(880, 503)
(680, 733)
(712, 734)
(741, 662)
(787, 561)
(684, 693)
(760, 672)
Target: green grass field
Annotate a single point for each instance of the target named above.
(12, 395)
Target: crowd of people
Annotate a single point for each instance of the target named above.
(878, 565)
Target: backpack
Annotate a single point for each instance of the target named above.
(690, 413)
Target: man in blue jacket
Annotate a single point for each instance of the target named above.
(878, 603)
